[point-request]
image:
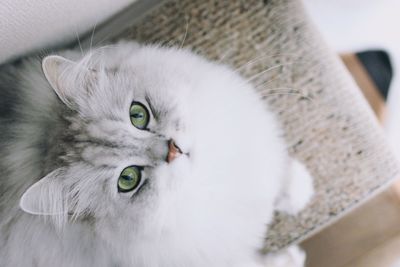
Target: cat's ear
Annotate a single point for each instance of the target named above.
(72, 82)
(53, 68)
(47, 196)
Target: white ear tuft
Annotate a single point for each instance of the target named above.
(45, 197)
(53, 67)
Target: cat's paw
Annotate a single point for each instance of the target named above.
(297, 190)
(290, 257)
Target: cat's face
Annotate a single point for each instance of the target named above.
(129, 132)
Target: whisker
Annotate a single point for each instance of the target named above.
(266, 82)
(91, 37)
(284, 91)
(186, 32)
(269, 69)
(226, 54)
(105, 39)
(79, 41)
(265, 56)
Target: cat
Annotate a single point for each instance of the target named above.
(140, 155)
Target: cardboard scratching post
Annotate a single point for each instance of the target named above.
(327, 122)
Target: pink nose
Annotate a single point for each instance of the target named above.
(173, 152)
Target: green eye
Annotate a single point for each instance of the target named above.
(139, 115)
(129, 179)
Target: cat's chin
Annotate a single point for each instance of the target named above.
(175, 171)
(181, 164)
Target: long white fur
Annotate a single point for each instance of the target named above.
(212, 208)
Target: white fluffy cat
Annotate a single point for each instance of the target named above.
(144, 156)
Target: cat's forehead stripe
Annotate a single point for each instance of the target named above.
(154, 111)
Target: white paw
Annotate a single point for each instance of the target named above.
(290, 257)
(297, 189)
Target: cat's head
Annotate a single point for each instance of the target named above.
(127, 133)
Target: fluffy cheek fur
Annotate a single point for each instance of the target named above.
(218, 201)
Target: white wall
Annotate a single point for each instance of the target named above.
(27, 25)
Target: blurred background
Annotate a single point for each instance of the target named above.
(351, 26)
(370, 235)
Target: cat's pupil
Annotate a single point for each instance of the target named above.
(127, 177)
(138, 115)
